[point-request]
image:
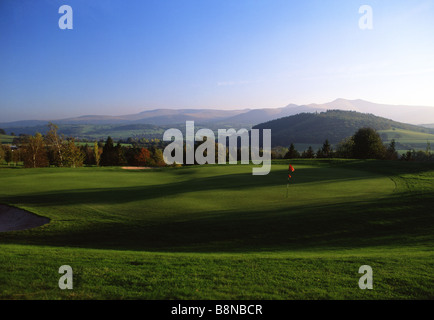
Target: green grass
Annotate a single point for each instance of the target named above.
(6, 139)
(106, 274)
(218, 232)
(406, 139)
(90, 144)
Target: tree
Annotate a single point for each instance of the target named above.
(2, 153)
(158, 158)
(308, 153)
(89, 156)
(8, 154)
(73, 156)
(97, 153)
(55, 142)
(119, 156)
(292, 152)
(391, 153)
(16, 156)
(108, 156)
(368, 144)
(35, 154)
(2, 131)
(345, 148)
(326, 149)
(428, 148)
(143, 157)
(408, 156)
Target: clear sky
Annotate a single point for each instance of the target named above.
(123, 57)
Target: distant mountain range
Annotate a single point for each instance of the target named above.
(152, 123)
(245, 117)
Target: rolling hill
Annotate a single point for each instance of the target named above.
(334, 125)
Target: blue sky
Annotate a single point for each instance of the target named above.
(123, 57)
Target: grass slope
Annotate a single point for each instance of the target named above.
(406, 139)
(218, 232)
(6, 139)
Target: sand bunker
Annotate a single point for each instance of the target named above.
(13, 219)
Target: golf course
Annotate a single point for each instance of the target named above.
(219, 232)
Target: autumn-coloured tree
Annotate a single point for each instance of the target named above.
(143, 157)
(35, 153)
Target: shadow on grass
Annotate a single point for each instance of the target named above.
(397, 220)
(400, 219)
(244, 181)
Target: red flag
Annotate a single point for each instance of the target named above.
(291, 168)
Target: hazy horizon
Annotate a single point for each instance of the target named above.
(73, 116)
(127, 57)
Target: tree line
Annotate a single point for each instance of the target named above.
(53, 149)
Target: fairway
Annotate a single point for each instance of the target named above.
(218, 232)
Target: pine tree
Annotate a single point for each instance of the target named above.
(108, 156)
(309, 154)
(326, 149)
(391, 153)
(292, 152)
